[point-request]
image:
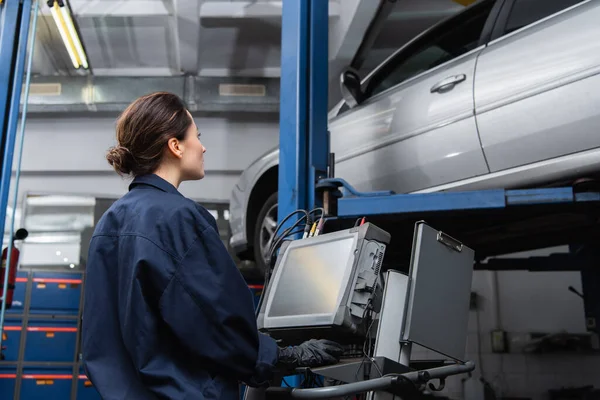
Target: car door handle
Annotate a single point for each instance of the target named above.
(452, 80)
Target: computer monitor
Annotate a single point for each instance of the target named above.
(321, 286)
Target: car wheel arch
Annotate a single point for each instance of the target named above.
(265, 185)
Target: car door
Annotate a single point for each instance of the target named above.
(537, 88)
(417, 128)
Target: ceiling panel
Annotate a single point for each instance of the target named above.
(128, 42)
(49, 56)
(120, 7)
(250, 44)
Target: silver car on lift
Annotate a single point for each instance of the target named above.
(505, 94)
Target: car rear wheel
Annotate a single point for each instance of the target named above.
(264, 230)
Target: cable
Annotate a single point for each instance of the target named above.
(288, 217)
(366, 354)
(307, 227)
(307, 217)
(276, 243)
(320, 226)
(360, 221)
(286, 232)
(321, 209)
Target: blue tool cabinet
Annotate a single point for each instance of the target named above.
(85, 389)
(54, 293)
(44, 324)
(51, 341)
(18, 302)
(46, 383)
(11, 339)
(8, 380)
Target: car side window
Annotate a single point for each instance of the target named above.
(526, 12)
(451, 40)
(343, 109)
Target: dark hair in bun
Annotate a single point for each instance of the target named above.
(120, 159)
(143, 130)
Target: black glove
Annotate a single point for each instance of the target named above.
(313, 353)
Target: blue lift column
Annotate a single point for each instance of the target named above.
(303, 137)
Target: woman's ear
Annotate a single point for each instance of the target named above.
(175, 147)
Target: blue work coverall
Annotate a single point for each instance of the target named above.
(167, 314)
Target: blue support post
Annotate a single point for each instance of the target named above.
(14, 31)
(318, 152)
(293, 109)
(303, 139)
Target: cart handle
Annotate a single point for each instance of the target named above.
(377, 384)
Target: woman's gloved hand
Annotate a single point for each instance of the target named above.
(312, 353)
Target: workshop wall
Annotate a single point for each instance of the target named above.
(65, 154)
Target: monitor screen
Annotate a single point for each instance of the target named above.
(312, 280)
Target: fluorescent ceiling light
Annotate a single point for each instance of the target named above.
(68, 33)
(74, 36)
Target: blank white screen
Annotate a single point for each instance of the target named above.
(311, 279)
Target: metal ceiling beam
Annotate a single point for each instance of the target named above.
(113, 94)
(210, 9)
(187, 25)
(105, 8)
(253, 9)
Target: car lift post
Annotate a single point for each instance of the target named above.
(303, 136)
(14, 32)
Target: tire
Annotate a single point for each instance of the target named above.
(260, 241)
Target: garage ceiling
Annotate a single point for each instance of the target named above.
(194, 47)
(205, 38)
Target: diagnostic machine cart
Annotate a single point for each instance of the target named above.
(333, 287)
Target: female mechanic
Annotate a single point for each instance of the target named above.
(167, 315)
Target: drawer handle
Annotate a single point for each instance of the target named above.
(50, 329)
(56, 280)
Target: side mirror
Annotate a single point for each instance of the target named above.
(21, 234)
(350, 87)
